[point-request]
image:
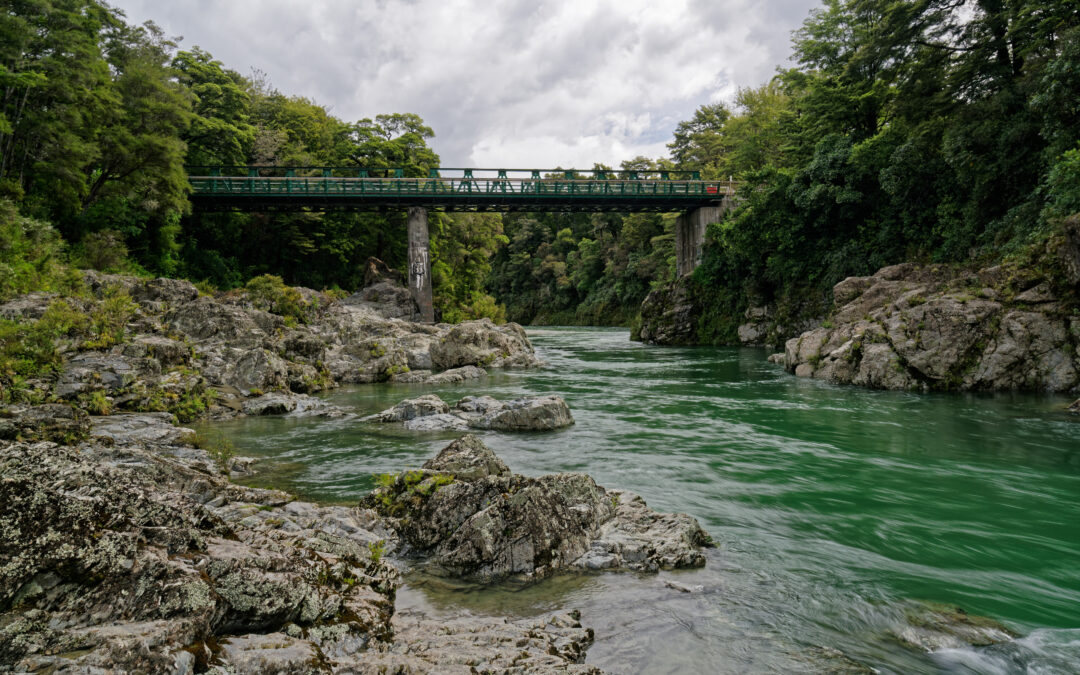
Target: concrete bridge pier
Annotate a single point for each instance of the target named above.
(420, 263)
(690, 234)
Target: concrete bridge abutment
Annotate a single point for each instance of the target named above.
(690, 234)
(420, 262)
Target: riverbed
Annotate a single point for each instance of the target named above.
(831, 507)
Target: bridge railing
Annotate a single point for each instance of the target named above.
(330, 181)
(440, 172)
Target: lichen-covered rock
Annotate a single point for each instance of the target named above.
(431, 413)
(429, 404)
(176, 344)
(936, 327)
(140, 428)
(455, 375)
(207, 319)
(387, 299)
(167, 352)
(467, 459)
(27, 307)
(56, 422)
(475, 519)
(528, 413)
(171, 292)
(553, 643)
(124, 558)
(293, 405)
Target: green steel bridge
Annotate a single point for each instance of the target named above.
(263, 188)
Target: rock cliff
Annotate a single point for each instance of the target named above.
(944, 328)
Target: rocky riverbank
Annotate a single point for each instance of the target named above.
(131, 552)
(159, 345)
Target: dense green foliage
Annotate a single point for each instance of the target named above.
(935, 130)
(99, 118)
(586, 269)
(592, 269)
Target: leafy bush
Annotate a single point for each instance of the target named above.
(481, 306)
(30, 253)
(1063, 186)
(29, 349)
(104, 251)
(110, 318)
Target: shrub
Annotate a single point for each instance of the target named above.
(110, 318)
(30, 253)
(29, 349)
(104, 250)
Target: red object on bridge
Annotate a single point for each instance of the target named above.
(711, 189)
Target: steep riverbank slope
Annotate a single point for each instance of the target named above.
(1013, 326)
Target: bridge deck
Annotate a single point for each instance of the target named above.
(539, 191)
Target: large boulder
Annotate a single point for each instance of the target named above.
(528, 413)
(206, 319)
(387, 299)
(115, 558)
(936, 327)
(474, 518)
(91, 371)
(482, 343)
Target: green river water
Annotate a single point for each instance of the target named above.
(832, 507)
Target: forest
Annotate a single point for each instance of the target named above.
(98, 119)
(932, 131)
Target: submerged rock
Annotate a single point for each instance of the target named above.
(931, 627)
(431, 413)
(473, 518)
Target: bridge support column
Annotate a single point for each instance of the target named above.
(420, 263)
(690, 234)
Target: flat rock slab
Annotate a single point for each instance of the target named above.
(431, 413)
(140, 427)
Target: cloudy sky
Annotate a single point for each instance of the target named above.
(504, 83)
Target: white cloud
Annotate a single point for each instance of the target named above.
(526, 84)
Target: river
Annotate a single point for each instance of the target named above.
(832, 507)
